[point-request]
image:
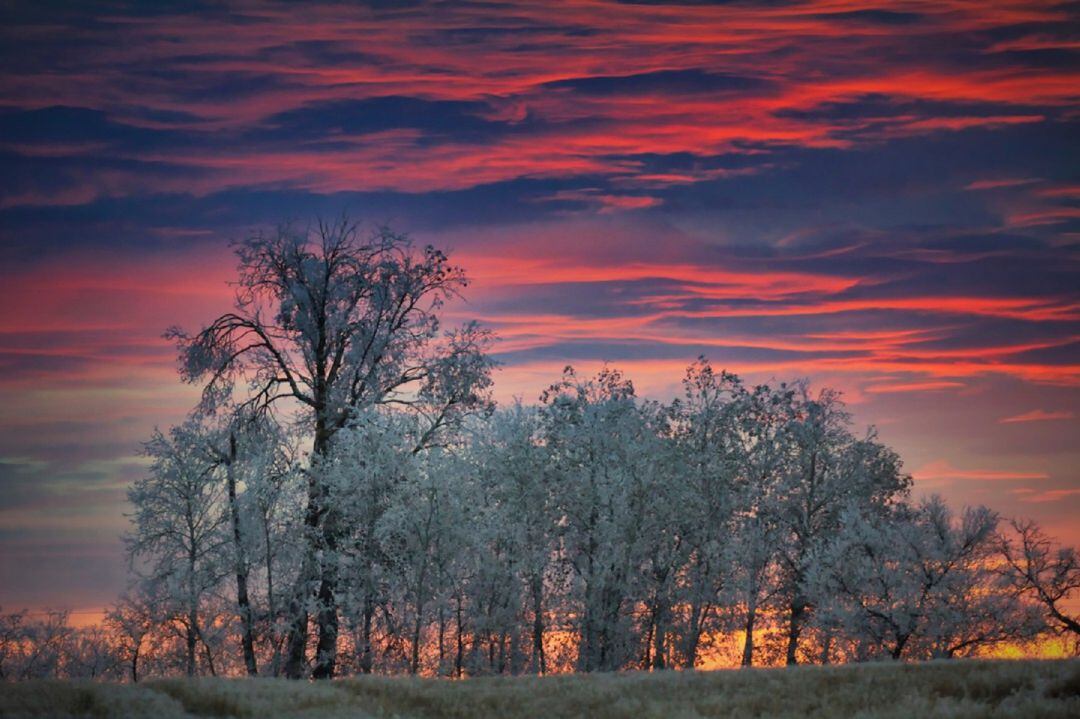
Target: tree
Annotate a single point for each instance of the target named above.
(603, 451)
(419, 531)
(513, 467)
(596, 531)
(130, 622)
(1043, 572)
(762, 420)
(325, 324)
(917, 582)
(372, 458)
(178, 533)
(700, 495)
(11, 643)
(45, 645)
(826, 471)
(91, 654)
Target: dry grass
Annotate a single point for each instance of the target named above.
(967, 689)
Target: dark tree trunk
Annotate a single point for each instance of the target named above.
(414, 658)
(659, 637)
(247, 620)
(320, 532)
(798, 610)
(209, 656)
(826, 646)
(442, 637)
(748, 641)
(539, 662)
(459, 656)
(191, 644)
(901, 642)
(297, 639)
(326, 648)
(366, 651)
(193, 609)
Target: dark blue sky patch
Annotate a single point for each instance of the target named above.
(674, 82)
(874, 17)
(440, 120)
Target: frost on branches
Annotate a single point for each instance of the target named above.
(346, 498)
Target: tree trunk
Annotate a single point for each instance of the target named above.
(587, 643)
(209, 655)
(366, 652)
(798, 609)
(326, 648)
(193, 609)
(321, 538)
(826, 646)
(748, 641)
(414, 660)
(539, 662)
(459, 656)
(901, 642)
(298, 625)
(191, 643)
(659, 637)
(698, 613)
(296, 653)
(243, 603)
(442, 637)
(502, 653)
(271, 604)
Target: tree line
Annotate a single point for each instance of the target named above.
(347, 498)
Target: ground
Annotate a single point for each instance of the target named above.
(870, 691)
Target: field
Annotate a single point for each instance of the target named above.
(935, 689)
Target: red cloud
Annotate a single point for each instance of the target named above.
(782, 60)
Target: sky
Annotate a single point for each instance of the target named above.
(882, 197)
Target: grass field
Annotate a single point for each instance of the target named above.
(936, 689)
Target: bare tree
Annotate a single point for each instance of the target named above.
(131, 621)
(1049, 574)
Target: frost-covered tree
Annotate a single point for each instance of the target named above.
(918, 582)
(695, 493)
(513, 468)
(603, 453)
(131, 623)
(33, 648)
(179, 535)
(92, 654)
(1041, 571)
(595, 531)
(419, 532)
(752, 552)
(372, 458)
(326, 323)
(827, 470)
(225, 441)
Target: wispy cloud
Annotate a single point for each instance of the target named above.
(1032, 496)
(1038, 415)
(942, 469)
(912, 387)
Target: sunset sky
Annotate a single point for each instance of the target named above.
(882, 197)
